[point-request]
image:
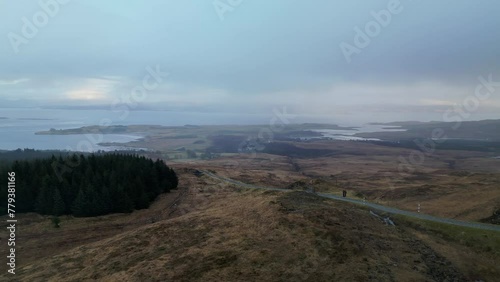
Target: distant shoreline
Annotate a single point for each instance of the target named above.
(118, 129)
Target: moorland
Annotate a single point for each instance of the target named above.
(208, 230)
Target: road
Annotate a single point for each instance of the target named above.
(378, 207)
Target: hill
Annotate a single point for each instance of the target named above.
(215, 232)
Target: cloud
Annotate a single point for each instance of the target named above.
(434, 102)
(265, 53)
(86, 94)
(13, 82)
(92, 89)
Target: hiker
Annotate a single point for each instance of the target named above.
(344, 193)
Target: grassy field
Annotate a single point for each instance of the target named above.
(450, 182)
(209, 231)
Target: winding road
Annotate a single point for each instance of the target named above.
(378, 207)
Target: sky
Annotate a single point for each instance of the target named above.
(407, 58)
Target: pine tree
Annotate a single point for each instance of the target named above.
(45, 199)
(106, 200)
(59, 206)
(79, 205)
(123, 201)
(143, 201)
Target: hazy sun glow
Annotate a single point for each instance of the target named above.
(86, 94)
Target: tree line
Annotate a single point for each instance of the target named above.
(95, 185)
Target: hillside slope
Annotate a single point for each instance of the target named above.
(220, 233)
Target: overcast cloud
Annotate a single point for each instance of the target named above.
(262, 54)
